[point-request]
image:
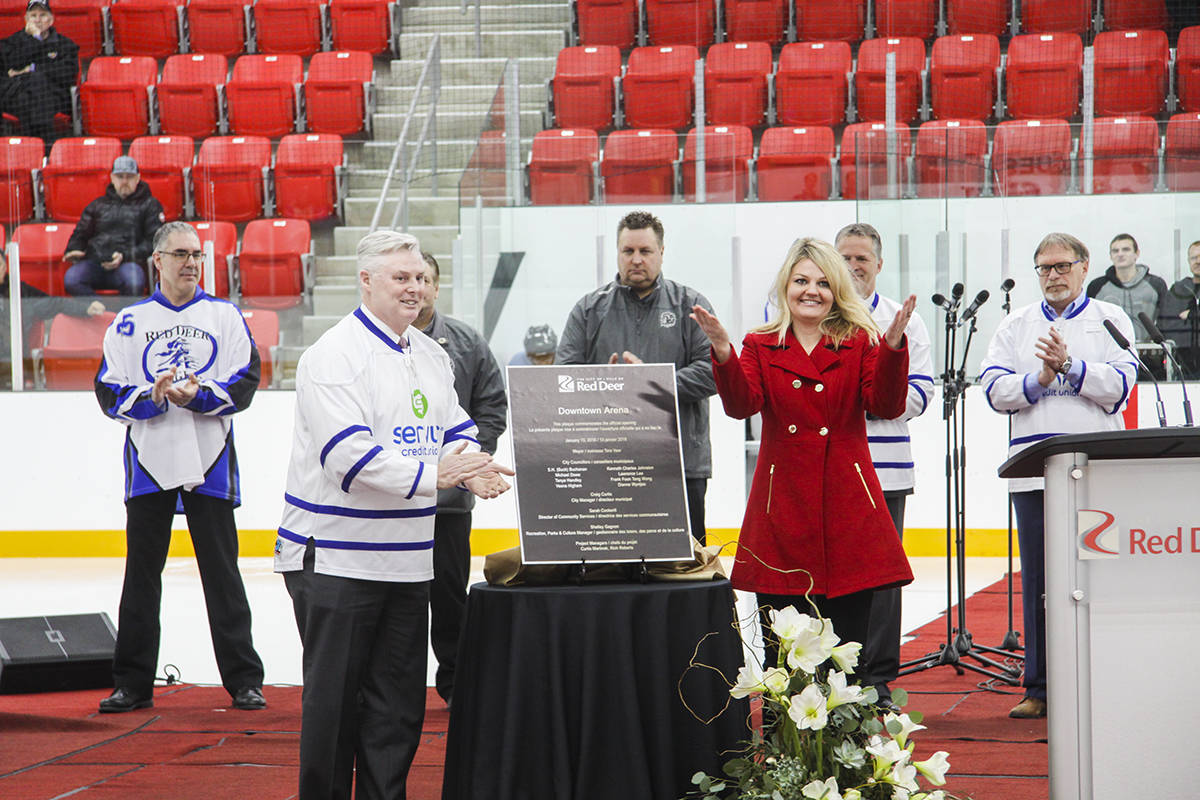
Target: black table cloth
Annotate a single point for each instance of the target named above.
(573, 692)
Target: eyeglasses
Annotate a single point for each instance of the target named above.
(184, 255)
(1062, 268)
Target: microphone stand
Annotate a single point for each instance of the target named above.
(958, 643)
(1011, 640)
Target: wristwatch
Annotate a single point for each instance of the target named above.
(1065, 366)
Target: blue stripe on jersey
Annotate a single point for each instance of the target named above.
(924, 397)
(334, 544)
(447, 440)
(1124, 389)
(357, 468)
(361, 513)
(887, 439)
(416, 480)
(373, 328)
(458, 429)
(1035, 437)
(337, 437)
(893, 464)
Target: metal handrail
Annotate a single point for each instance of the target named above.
(432, 69)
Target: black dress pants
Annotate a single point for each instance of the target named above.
(880, 657)
(696, 489)
(448, 593)
(364, 682)
(215, 539)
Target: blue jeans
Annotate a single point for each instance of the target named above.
(86, 277)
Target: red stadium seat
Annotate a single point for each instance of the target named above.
(273, 262)
(561, 167)
(19, 156)
(365, 25)
(735, 83)
(308, 174)
(82, 21)
(584, 96)
(870, 81)
(951, 158)
(830, 20)
(217, 27)
(115, 98)
(680, 22)
(146, 27)
(795, 164)
(12, 17)
(1044, 75)
(338, 90)
(1131, 72)
(1187, 69)
(658, 87)
(1031, 157)
(288, 26)
(811, 83)
(1056, 16)
(263, 95)
(607, 22)
(727, 153)
(756, 21)
(639, 166)
(977, 16)
(229, 177)
(1124, 155)
(165, 162)
(1182, 151)
(917, 18)
(189, 95)
(1130, 15)
(264, 329)
(74, 348)
(963, 76)
(223, 235)
(77, 173)
(42, 247)
(865, 150)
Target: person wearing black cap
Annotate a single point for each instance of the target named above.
(38, 67)
(113, 237)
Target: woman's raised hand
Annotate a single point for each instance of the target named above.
(715, 332)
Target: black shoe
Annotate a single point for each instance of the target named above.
(249, 698)
(123, 700)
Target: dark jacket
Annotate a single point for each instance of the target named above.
(658, 330)
(1145, 292)
(480, 390)
(112, 224)
(1182, 295)
(55, 62)
(35, 305)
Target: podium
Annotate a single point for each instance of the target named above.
(1122, 609)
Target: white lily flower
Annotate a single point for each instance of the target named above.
(788, 623)
(808, 651)
(934, 768)
(749, 682)
(807, 709)
(829, 639)
(822, 790)
(904, 776)
(900, 793)
(776, 680)
(907, 726)
(852, 794)
(846, 656)
(840, 693)
(886, 753)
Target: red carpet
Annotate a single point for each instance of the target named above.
(192, 746)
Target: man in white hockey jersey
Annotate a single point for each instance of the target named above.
(891, 450)
(1053, 367)
(175, 367)
(378, 431)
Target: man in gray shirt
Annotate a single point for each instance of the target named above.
(1133, 288)
(642, 317)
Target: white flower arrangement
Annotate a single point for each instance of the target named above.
(823, 736)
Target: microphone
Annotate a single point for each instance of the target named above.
(940, 300)
(956, 292)
(1008, 285)
(1157, 337)
(1123, 343)
(979, 300)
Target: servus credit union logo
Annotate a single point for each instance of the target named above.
(1101, 537)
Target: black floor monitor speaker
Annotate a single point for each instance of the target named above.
(54, 654)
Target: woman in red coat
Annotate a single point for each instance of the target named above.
(816, 521)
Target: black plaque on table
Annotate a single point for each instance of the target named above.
(599, 468)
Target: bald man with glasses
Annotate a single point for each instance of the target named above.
(1052, 365)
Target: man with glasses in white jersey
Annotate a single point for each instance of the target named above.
(1054, 367)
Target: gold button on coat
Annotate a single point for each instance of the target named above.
(820, 387)
(824, 431)
(796, 384)
(791, 428)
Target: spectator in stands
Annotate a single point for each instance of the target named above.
(40, 66)
(540, 344)
(114, 237)
(1179, 315)
(643, 317)
(1129, 284)
(1054, 369)
(35, 305)
(480, 390)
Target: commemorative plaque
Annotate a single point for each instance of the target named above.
(599, 467)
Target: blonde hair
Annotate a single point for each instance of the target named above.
(847, 316)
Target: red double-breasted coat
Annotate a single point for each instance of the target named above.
(815, 502)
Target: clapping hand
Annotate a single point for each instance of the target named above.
(715, 331)
(474, 470)
(181, 393)
(894, 334)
